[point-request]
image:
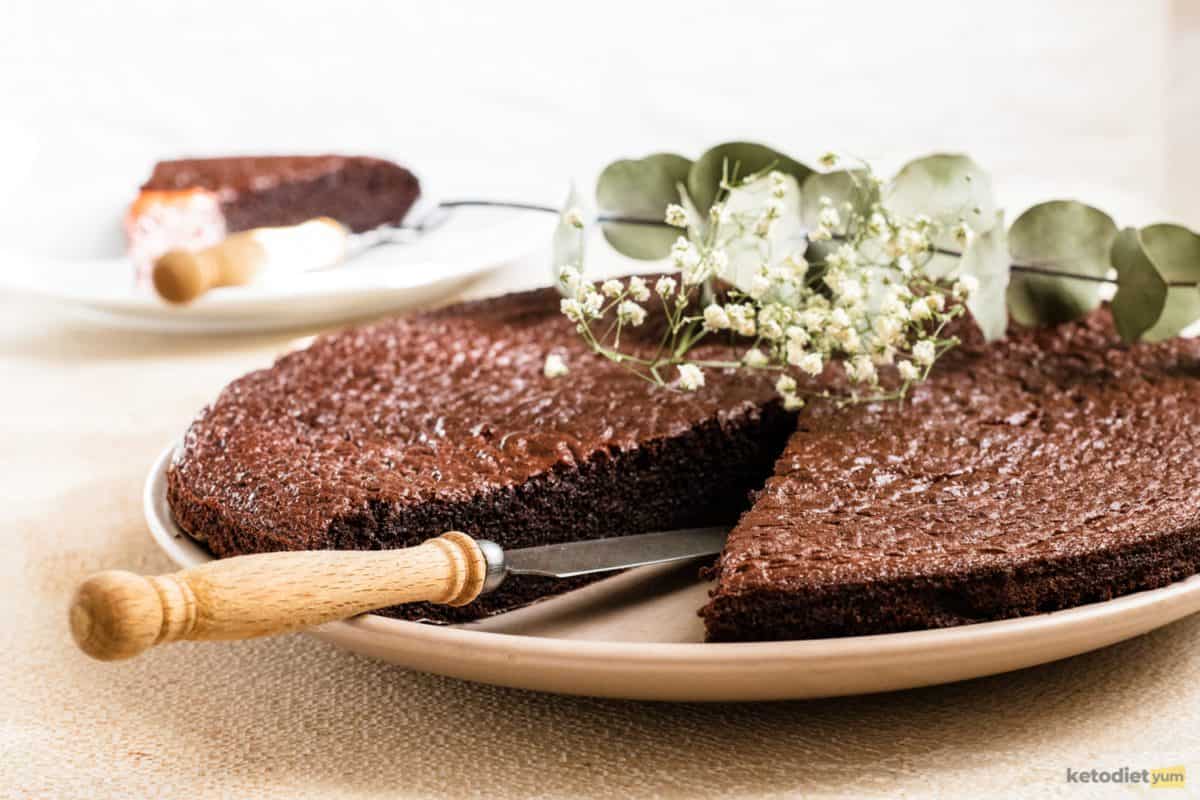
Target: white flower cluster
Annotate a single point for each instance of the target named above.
(697, 264)
(691, 377)
(555, 366)
(677, 216)
(854, 293)
(829, 222)
(586, 301)
(774, 207)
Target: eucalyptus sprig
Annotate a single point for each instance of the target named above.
(866, 302)
(840, 266)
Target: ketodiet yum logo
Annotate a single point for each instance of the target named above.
(1161, 778)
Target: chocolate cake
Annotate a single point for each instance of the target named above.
(1054, 468)
(1047, 470)
(387, 435)
(192, 203)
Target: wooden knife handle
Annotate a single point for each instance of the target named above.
(181, 276)
(117, 615)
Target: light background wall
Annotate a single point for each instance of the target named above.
(1099, 101)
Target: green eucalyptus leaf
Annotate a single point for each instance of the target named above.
(986, 260)
(1063, 236)
(566, 246)
(746, 158)
(1175, 252)
(1141, 289)
(945, 187)
(843, 186)
(641, 189)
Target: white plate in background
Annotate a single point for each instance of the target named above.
(392, 277)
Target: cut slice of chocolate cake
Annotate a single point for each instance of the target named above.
(195, 202)
(387, 435)
(1054, 468)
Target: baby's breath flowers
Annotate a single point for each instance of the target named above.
(757, 231)
(677, 216)
(630, 313)
(850, 293)
(555, 366)
(691, 377)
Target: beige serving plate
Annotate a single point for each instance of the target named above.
(637, 636)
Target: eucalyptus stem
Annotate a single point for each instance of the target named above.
(1050, 272)
(519, 206)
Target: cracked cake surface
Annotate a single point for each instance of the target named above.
(386, 435)
(1052, 468)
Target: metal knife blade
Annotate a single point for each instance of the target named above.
(604, 555)
(413, 230)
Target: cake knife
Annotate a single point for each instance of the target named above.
(181, 276)
(117, 615)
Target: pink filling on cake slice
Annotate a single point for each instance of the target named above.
(160, 221)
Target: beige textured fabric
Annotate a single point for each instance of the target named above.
(82, 414)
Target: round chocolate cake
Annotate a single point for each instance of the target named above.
(1050, 469)
(388, 435)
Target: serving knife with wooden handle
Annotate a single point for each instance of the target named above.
(117, 615)
(181, 276)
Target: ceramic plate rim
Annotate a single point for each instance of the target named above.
(1183, 595)
(376, 286)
